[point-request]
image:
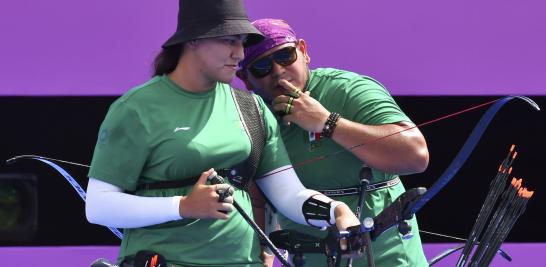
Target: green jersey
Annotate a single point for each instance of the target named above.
(159, 132)
(364, 100)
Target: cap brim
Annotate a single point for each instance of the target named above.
(229, 27)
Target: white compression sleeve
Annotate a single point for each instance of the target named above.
(108, 205)
(286, 192)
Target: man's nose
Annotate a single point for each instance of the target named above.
(276, 69)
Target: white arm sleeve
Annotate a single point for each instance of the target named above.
(286, 192)
(108, 205)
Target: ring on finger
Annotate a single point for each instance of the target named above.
(287, 109)
(294, 94)
(290, 100)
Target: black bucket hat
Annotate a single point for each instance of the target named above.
(212, 18)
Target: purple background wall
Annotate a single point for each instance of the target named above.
(63, 47)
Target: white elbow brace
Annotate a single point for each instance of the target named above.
(293, 200)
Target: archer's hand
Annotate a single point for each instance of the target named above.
(202, 202)
(344, 218)
(305, 111)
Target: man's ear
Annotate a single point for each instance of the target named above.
(241, 74)
(302, 45)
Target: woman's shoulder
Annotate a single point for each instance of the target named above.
(142, 90)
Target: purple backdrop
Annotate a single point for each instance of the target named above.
(523, 254)
(64, 47)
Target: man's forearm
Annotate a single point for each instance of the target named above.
(402, 153)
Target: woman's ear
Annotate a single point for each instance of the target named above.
(192, 44)
(241, 74)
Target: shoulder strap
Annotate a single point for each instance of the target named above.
(253, 122)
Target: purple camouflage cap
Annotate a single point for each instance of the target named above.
(276, 32)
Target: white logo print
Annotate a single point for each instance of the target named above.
(180, 129)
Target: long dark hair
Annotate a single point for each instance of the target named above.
(165, 62)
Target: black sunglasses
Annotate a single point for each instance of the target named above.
(264, 66)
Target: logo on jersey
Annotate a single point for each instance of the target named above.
(181, 129)
(314, 140)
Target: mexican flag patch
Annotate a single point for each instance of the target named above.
(314, 136)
